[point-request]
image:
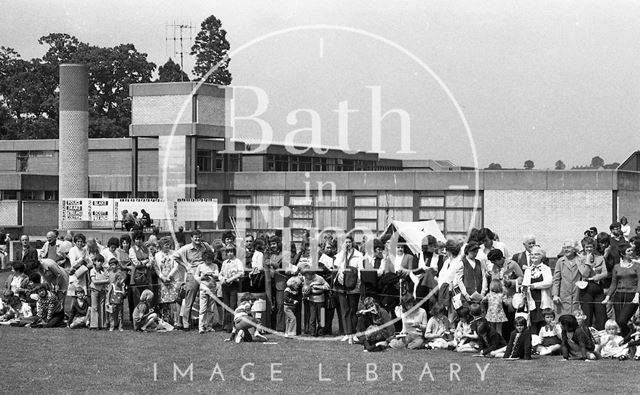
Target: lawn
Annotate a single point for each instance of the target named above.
(65, 361)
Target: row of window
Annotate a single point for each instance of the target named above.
(29, 195)
(208, 161)
(454, 211)
(305, 163)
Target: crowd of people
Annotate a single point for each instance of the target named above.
(463, 295)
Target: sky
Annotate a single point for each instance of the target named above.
(496, 81)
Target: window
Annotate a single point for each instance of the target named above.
(219, 163)
(53, 195)
(235, 163)
(8, 195)
(205, 161)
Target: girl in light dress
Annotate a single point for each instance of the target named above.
(496, 300)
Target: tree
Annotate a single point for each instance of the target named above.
(29, 89)
(560, 165)
(597, 162)
(210, 48)
(613, 165)
(528, 164)
(494, 166)
(171, 72)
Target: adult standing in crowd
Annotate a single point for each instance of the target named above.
(470, 275)
(565, 291)
(78, 258)
(51, 249)
(592, 270)
(537, 282)
(27, 255)
(349, 263)
(523, 258)
(190, 256)
(168, 271)
(625, 228)
(624, 292)
(447, 275)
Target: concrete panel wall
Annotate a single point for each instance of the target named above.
(43, 164)
(552, 216)
(9, 212)
(39, 217)
(253, 163)
(629, 206)
(8, 161)
(119, 162)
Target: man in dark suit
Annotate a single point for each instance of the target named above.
(523, 258)
(27, 255)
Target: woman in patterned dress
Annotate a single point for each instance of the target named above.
(166, 269)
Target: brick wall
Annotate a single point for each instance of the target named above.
(551, 215)
(629, 206)
(9, 212)
(160, 110)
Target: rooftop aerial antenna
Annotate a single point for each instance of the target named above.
(178, 33)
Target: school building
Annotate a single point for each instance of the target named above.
(336, 189)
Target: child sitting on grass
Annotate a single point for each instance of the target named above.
(79, 316)
(14, 310)
(466, 340)
(611, 343)
(550, 335)
(519, 346)
(632, 340)
(437, 334)
(577, 342)
(48, 308)
(144, 319)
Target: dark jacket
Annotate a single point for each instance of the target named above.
(521, 348)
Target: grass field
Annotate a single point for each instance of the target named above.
(78, 361)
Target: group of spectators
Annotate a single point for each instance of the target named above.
(463, 295)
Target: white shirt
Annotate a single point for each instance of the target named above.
(257, 260)
(448, 272)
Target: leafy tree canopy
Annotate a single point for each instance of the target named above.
(171, 72)
(29, 89)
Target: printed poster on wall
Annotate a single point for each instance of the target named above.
(197, 210)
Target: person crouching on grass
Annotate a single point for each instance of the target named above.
(632, 340)
(244, 322)
(144, 319)
(79, 317)
(490, 342)
(315, 287)
(576, 341)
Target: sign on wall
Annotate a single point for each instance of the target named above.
(105, 210)
(197, 210)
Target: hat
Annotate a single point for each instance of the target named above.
(472, 246)
(495, 255)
